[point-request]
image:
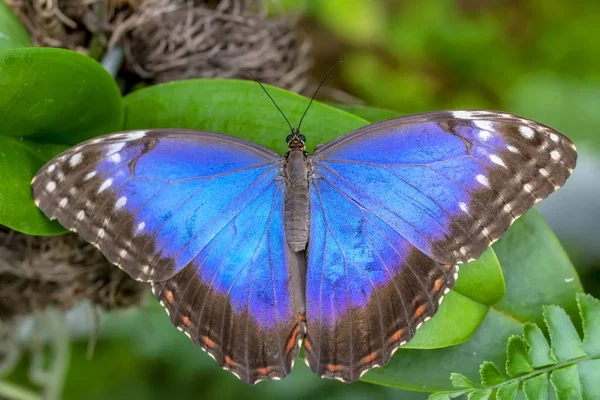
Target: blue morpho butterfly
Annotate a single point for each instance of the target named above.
(350, 248)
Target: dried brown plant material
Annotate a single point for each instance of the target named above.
(36, 272)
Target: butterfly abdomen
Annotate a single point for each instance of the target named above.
(296, 200)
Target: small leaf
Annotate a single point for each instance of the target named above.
(590, 315)
(445, 395)
(19, 161)
(536, 388)
(589, 376)
(490, 374)
(460, 381)
(12, 33)
(566, 344)
(517, 358)
(508, 391)
(56, 96)
(539, 349)
(480, 394)
(566, 383)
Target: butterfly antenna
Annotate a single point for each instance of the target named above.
(317, 91)
(263, 88)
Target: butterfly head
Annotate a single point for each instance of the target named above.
(296, 140)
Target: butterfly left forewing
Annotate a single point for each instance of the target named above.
(199, 215)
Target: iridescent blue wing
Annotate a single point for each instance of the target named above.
(200, 215)
(395, 206)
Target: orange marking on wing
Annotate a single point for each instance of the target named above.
(292, 342)
(186, 321)
(437, 285)
(230, 362)
(333, 368)
(369, 359)
(208, 342)
(396, 336)
(448, 266)
(264, 371)
(169, 296)
(301, 317)
(419, 311)
(307, 345)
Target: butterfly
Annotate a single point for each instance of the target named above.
(348, 250)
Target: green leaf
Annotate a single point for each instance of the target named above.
(565, 341)
(589, 376)
(536, 269)
(371, 114)
(57, 96)
(517, 357)
(576, 376)
(508, 391)
(536, 388)
(50, 98)
(566, 383)
(480, 395)
(460, 381)
(12, 33)
(482, 280)
(237, 108)
(19, 161)
(590, 317)
(539, 349)
(490, 374)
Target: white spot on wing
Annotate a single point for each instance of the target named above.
(89, 176)
(50, 186)
(554, 137)
(485, 125)
(484, 135)
(141, 226)
(136, 135)
(555, 154)
(75, 159)
(483, 180)
(527, 188)
(526, 132)
(544, 172)
(497, 160)
(463, 206)
(462, 114)
(121, 202)
(80, 215)
(512, 149)
(115, 147)
(115, 158)
(51, 167)
(63, 202)
(105, 185)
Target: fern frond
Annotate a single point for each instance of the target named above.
(568, 365)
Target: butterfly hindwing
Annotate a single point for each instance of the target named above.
(368, 288)
(199, 215)
(395, 206)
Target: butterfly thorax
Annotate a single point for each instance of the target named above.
(296, 199)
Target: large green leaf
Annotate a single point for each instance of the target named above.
(238, 108)
(241, 108)
(50, 98)
(12, 33)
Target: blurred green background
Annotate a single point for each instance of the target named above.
(540, 59)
